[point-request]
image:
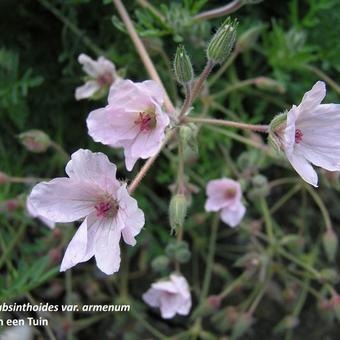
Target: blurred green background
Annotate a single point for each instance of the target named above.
(296, 43)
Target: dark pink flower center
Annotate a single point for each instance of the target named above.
(230, 193)
(146, 121)
(105, 79)
(298, 136)
(107, 207)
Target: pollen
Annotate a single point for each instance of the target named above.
(298, 136)
(106, 207)
(146, 121)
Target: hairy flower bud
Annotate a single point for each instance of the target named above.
(35, 141)
(330, 244)
(188, 134)
(177, 211)
(182, 66)
(160, 263)
(178, 251)
(268, 84)
(222, 42)
(276, 128)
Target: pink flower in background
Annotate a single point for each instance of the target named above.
(172, 296)
(91, 192)
(225, 195)
(102, 73)
(312, 135)
(133, 119)
(33, 213)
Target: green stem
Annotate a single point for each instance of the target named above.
(317, 199)
(233, 87)
(267, 220)
(233, 285)
(323, 76)
(60, 150)
(223, 68)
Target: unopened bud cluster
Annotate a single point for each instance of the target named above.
(35, 141)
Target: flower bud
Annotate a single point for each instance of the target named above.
(178, 251)
(289, 322)
(35, 141)
(177, 211)
(160, 263)
(248, 38)
(268, 84)
(276, 128)
(330, 244)
(241, 326)
(222, 42)
(260, 187)
(12, 204)
(188, 134)
(3, 178)
(182, 66)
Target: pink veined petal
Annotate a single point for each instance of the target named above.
(110, 125)
(94, 168)
(90, 66)
(312, 99)
(169, 305)
(304, 169)
(152, 297)
(233, 217)
(106, 65)
(326, 159)
(107, 250)
(131, 215)
(87, 90)
(181, 284)
(154, 90)
(167, 286)
(130, 161)
(32, 212)
(76, 250)
(216, 192)
(64, 199)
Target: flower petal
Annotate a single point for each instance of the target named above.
(233, 217)
(93, 167)
(304, 169)
(90, 66)
(32, 212)
(87, 90)
(107, 250)
(76, 250)
(312, 99)
(63, 199)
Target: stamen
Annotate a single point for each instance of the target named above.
(107, 207)
(298, 136)
(105, 79)
(146, 121)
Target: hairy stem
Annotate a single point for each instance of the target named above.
(229, 123)
(219, 12)
(150, 67)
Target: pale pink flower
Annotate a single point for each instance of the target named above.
(312, 135)
(133, 119)
(101, 73)
(33, 213)
(172, 296)
(225, 195)
(92, 192)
